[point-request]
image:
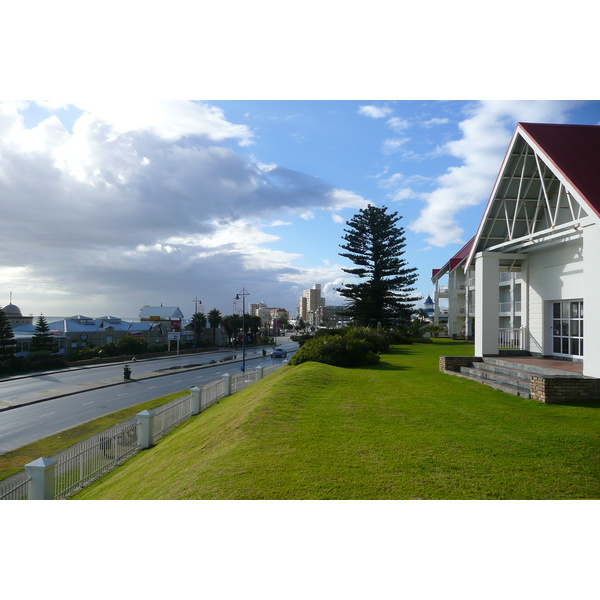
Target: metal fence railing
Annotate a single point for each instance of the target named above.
(171, 415)
(15, 487)
(86, 461)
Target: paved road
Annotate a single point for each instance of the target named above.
(81, 402)
(24, 390)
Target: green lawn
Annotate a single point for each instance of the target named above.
(400, 430)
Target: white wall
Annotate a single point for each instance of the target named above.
(555, 273)
(591, 290)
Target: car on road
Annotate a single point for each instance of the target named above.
(278, 353)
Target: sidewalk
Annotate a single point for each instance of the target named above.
(60, 392)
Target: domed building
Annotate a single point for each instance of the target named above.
(15, 317)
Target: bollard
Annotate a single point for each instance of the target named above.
(259, 373)
(41, 483)
(146, 433)
(196, 393)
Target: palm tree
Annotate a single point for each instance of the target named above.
(214, 320)
(198, 323)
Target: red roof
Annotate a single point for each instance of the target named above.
(455, 260)
(575, 152)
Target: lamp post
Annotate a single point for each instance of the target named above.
(243, 295)
(196, 301)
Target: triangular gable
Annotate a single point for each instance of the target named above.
(541, 188)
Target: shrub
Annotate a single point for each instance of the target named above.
(379, 339)
(336, 350)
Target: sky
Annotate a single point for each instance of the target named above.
(108, 206)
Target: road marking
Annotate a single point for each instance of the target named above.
(120, 395)
(151, 387)
(84, 403)
(46, 415)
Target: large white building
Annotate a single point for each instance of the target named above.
(533, 266)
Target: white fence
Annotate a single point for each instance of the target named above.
(70, 470)
(511, 339)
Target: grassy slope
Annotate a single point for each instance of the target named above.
(401, 430)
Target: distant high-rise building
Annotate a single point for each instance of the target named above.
(311, 304)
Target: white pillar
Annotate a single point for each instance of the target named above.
(41, 482)
(146, 439)
(226, 385)
(591, 289)
(196, 394)
(259, 373)
(487, 298)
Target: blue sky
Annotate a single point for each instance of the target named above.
(109, 206)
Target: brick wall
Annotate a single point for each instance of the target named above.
(561, 390)
(454, 363)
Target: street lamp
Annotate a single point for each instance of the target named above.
(243, 295)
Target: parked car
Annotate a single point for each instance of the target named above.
(279, 353)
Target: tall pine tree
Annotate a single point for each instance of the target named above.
(375, 244)
(42, 339)
(7, 338)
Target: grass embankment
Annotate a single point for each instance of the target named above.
(399, 430)
(14, 461)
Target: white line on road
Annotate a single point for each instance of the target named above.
(46, 415)
(84, 403)
(151, 387)
(120, 395)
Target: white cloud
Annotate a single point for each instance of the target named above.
(123, 205)
(398, 124)
(435, 121)
(392, 145)
(169, 120)
(345, 199)
(375, 112)
(485, 135)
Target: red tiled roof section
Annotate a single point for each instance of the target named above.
(575, 152)
(461, 254)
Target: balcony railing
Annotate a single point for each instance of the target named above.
(511, 339)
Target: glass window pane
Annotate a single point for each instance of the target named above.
(574, 310)
(565, 310)
(565, 345)
(581, 309)
(556, 310)
(574, 346)
(575, 328)
(556, 328)
(556, 345)
(565, 328)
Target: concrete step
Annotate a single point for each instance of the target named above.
(526, 368)
(503, 369)
(504, 387)
(495, 379)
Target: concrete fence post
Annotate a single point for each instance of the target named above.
(146, 435)
(226, 385)
(259, 373)
(196, 393)
(41, 482)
